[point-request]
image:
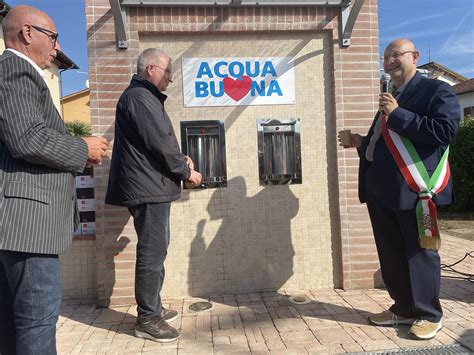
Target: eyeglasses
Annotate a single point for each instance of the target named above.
(167, 71)
(53, 36)
(395, 55)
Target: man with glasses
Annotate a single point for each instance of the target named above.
(38, 162)
(403, 176)
(145, 176)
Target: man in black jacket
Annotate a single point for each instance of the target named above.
(145, 176)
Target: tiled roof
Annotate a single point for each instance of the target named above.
(442, 68)
(464, 87)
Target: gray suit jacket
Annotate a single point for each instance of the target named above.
(38, 161)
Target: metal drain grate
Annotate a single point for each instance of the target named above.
(199, 307)
(432, 350)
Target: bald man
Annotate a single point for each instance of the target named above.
(414, 124)
(38, 162)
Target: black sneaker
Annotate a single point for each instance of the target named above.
(157, 330)
(168, 315)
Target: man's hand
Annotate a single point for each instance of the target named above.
(96, 149)
(90, 162)
(387, 103)
(195, 179)
(189, 162)
(356, 141)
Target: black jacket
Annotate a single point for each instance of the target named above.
(147, 164)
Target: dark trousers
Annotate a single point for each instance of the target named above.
(411, 274)
(151, 221)
(30, 296)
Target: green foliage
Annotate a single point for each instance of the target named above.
(461, 161)
(79, 129)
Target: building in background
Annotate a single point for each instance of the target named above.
(465, 92)
(275, 83)
(437, 71)
(463, 87)
(76, 107)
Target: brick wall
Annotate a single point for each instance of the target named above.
(337, 231)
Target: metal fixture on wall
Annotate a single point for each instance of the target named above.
(349, 10)
(204, 142)
(279, 151)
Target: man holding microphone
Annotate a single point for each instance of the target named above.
(403, 176)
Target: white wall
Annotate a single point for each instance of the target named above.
(466, 100)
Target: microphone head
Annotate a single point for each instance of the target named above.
(385, 82)
(386, 77)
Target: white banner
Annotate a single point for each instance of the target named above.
(238, 81)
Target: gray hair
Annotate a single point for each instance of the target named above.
(147, 57)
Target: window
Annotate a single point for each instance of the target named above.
(468, 111)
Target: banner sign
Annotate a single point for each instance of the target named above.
(238, 81)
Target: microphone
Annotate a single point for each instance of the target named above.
(385, 82)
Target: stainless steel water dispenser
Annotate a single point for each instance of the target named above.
(204, 142)
(279, 151)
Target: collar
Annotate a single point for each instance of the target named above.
(402, 88)
(28, 59)
(408, 88)
(138, 80)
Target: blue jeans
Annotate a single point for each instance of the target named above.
(151, 222)
(30, 296)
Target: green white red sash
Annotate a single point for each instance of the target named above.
(414, 171)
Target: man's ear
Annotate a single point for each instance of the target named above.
(416, 56)
(149, 70)
(25, 34)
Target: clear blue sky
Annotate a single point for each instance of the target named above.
(443, 31)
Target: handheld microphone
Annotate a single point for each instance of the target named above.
(385, 82)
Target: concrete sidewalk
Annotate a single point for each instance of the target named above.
(334, 321)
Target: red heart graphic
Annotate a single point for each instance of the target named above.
(237, 89)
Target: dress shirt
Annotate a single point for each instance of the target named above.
(369, 153)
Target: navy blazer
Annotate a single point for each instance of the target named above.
(428, 115)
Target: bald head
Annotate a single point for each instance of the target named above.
(403, 43)
(400, 58)
(18, 16)
(31, 32)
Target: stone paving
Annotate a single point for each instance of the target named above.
(334, 321)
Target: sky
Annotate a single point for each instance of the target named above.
(443, 32)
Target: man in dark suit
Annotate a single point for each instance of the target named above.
(426, 114)
(38, 161)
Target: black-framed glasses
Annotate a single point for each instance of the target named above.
(395, 55)
(167, 71)
(53, 36)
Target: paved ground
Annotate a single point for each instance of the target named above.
(262, 323)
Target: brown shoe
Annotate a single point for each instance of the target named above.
(156, 329)
(423, 329)
(389, 318)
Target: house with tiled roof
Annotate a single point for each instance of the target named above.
(437, 71)
(465, 92)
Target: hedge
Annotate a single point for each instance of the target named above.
(461, 161)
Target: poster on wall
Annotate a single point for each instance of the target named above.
(238, 81)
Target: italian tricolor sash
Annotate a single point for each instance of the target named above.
(417, 178)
